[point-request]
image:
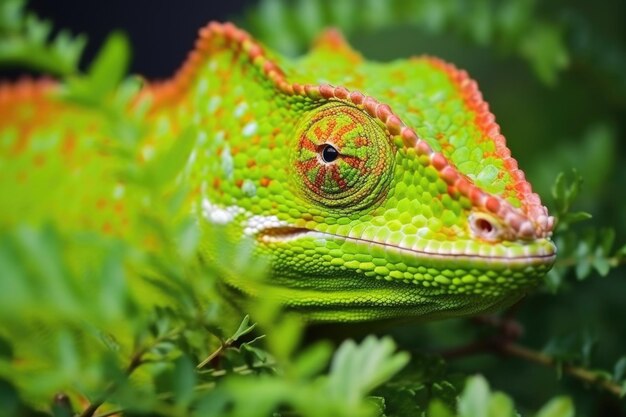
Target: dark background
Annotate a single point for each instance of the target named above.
(161, 32)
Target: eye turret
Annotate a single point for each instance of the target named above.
(343, 158)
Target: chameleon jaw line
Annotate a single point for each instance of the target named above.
(287, 233)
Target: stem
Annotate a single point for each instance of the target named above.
(614, 261)
(111, 413)
(223, 345)
(135, 362)
(504, 344)
(577, 372)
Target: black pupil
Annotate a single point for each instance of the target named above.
(329, 153)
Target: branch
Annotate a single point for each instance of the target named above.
(614, 261)
(135, 362)
(504, 344)
(578, 372)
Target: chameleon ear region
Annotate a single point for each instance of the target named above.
(343, 159)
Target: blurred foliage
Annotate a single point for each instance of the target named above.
(509, 26)
(25, 40)
(79, 334)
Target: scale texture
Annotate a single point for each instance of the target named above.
(373, 190)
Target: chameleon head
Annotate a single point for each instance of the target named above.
(380, 231)
(365, 212)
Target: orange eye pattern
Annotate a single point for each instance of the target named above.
(343, 157)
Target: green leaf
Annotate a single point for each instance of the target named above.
(619, 371)
(545, 49)
(244, 328)
(164, 168)
(557, 407)
(109, 68)
(571, 218)
(607, 238)
(474, 400)
(583, 265)
(183, 380)
(601, 263)
(501, 405)
(558, 188)
(357, 369)
(438, 409)
(24, 41)
(313, 360)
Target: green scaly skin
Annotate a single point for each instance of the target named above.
(375, 191)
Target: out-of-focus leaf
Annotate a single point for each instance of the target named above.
(501, 405)
(313, 360)
(474, 400)
(183, 380)
(104, 75)
(571, 218)
(109, 67)
(557, 407)
(619, 371)
(439, 409)
(25, 41)
(544, 47)
(168, 164)
(357, 369)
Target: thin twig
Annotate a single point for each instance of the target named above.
(504, 344)
(613, 261)
(223, 345)
(577, 372)
(135, 362)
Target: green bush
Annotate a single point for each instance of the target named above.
(78, 338)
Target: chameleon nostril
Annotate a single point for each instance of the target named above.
(484, 227)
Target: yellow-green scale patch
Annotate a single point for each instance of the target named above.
(428, 101)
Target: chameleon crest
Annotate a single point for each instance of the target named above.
(374, 190)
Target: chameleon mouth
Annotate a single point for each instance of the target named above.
(544, 255)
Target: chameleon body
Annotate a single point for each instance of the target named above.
(374, 190)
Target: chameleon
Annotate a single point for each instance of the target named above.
(374, 191)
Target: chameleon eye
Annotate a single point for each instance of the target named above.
(329, 153)
(343, 158)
